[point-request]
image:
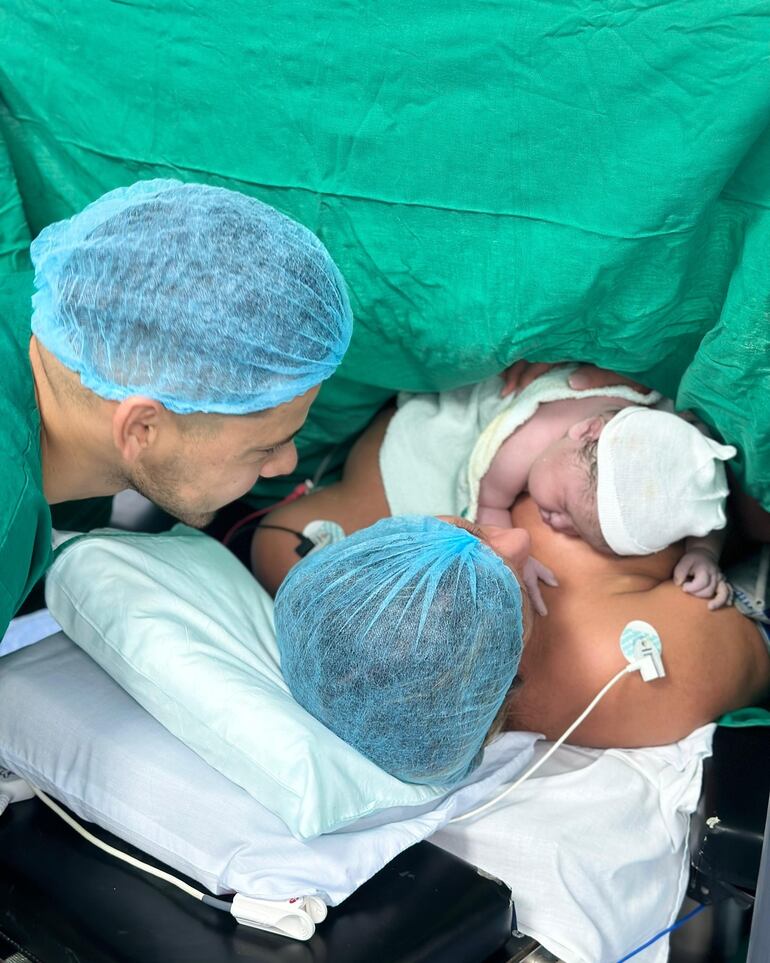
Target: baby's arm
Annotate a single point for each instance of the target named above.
(698, 571)
(502, 485)
(499, 489)
(494, 504)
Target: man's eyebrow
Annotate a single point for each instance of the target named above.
(277, 444)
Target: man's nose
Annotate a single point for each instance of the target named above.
(283, 462)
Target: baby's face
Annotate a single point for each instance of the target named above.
(559, 484)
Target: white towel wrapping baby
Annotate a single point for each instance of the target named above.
(438, 447)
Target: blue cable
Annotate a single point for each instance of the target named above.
(670, 929)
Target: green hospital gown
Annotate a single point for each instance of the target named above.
(25, 518)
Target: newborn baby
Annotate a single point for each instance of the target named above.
(626, 479)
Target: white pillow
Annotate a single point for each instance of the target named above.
(70, 730)
(188, 632)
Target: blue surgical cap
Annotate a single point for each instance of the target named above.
(199, 297)
(404, 640)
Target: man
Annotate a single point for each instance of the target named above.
(179, 335)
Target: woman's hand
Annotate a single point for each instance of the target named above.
(532, 574)
(521, 375)
(698, 573)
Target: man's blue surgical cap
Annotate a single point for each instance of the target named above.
(199, 297)
(404, 640)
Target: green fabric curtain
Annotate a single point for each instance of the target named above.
(572, 179)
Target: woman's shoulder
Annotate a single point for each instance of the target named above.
(715, 661)
(597, 575)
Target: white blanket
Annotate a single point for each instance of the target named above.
(438, 447)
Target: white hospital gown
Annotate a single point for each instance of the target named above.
(594, 847)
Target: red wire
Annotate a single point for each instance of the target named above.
(299, 491)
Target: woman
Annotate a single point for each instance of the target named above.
(405, 640)
(715, 661)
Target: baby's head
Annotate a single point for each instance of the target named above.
(632, 481)
(659, 479)
(404, 639)
(563, 481)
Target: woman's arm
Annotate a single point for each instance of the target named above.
(355, 502)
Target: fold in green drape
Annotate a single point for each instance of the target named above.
(568, 179)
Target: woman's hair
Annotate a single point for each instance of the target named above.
(528, 624)
(404, 640)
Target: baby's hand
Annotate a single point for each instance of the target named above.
(534, 573)
(699, 574)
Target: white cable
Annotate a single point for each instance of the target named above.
(633, 667)
(267, 915)
(185, 887)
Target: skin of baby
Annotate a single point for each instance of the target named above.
(543, 457)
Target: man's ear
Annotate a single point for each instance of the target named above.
(135, 426)
(588, 429)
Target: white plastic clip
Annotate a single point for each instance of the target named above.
(641, 645)
(295, 918)
(651, 664)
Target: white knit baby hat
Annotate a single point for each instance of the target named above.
(659, 480)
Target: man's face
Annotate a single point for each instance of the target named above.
(196, 470)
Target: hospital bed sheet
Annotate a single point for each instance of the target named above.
(70, 730)
(28, 629)
(594, 847)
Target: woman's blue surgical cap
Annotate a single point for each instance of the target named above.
(404, 640)
(199, 297)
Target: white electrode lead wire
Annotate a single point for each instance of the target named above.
(533, 769)
(105, 847)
